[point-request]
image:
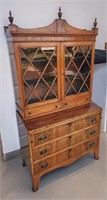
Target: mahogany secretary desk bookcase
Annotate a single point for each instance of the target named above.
(55, 74)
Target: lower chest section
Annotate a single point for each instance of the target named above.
(63, 143)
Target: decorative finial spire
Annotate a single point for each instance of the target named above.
(95, 23)
(10, 17)
(59, 13)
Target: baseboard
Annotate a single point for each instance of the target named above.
(12, 154)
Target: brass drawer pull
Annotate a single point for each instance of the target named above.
(92, 132)
(43, 138)
(93, 120)
(44, 165)
(43, 151)
(92, 144)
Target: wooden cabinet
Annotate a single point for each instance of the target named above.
(55, 75)
(54, 66)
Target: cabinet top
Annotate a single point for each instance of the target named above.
(60, 27)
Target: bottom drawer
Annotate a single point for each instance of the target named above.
(43, 165)
(76, 150)
(62, 156)
(91, 144)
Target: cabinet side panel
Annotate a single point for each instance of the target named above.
(22, 135)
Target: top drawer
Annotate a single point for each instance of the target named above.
(42, 137)
(92, 120)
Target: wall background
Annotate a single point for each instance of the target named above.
(29, 14)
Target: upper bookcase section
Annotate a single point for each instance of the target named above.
(59, 30)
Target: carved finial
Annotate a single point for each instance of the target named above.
(10, 17)
(95, 23)
(59, 13)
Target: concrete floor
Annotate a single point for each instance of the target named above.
(85, 179)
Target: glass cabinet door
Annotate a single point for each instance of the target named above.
(39, 73)
(77, 69)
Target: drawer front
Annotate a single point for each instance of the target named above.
(77, 100)
(43, 165)
(61, 157)
(70, 127)
(92, 132)
(92, 120)
(42, 137)
(76, 150)
(78, 125)
(69, 153)
(41, 152)
(91, 144)
(76, 138)
(62, 143)
(86, 146)
(70, 140)
(42, 109)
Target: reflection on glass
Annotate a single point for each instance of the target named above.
(77, 69)
(39, 73)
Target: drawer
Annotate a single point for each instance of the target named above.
(42, 137)
(69, 141)
(61, 157)
(77, 100)
(62, 143)
(91, 144)
(76, 150)
(42, 109)
(93, 119)
(41, 152)
(81, 148)
(92, 132)
(69, 153)
(76, 138)
(78, 124)
(43, 165)
(70, 127)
